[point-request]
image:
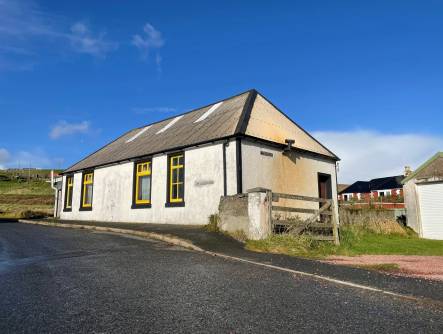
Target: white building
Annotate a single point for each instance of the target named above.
(176, 170)
(423, 191)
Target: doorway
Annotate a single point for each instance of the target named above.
(324, 191)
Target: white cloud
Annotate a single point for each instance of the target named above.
(36, 158)
(83, 41)
(4, 157)
(64, 128)
(25, 27)
(149, 110)
(369, 154)
(152, 39)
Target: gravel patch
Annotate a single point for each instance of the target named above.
(428, 267)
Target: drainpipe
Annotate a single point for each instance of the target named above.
(55, 193)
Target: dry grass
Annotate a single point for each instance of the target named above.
(27, 199)
(379, 226)
(295, 245)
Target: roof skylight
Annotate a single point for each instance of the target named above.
(171, 123)
(138, 134)
(209, 112)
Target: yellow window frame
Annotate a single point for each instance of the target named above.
(87, 179)
(173, 164)
(69, 191)
(142, 169)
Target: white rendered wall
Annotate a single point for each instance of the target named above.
(294, 174)
(112, 196)
(412, 210)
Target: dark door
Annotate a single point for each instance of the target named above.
(324, 186)
(324, 190)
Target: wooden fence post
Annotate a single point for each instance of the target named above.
(269, 200)
(335, 225)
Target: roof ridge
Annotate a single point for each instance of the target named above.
(195, 109)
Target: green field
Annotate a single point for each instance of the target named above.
(22, 198)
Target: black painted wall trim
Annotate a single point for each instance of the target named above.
(225, 185)
(246, 113)
(238, 159)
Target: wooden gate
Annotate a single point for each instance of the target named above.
(321, 224)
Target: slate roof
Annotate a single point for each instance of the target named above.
(431, 168)
(383, 183)
(230, 119)
(356, 187)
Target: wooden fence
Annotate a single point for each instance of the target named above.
(323, 219)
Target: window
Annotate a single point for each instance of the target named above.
(176, 180)
(381, 193)
(68, 192)
(87, 190)
(142, 185)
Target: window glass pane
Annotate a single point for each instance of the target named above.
(180, 160)
(180, 190)
(144, 188)
(181, 175)
(69, 196)
(174, 175)
(88, 194)
(174, 191)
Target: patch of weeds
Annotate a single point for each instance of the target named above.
(355, 239)
(212, 225)
(30, 214)
(295, 245)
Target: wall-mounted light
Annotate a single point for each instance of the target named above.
(289, 142)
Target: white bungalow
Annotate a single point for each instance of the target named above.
(176, 170)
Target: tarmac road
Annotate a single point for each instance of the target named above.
(71, 281)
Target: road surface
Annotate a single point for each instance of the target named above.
(65, 281)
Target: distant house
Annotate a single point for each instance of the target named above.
(384, 192)
(424, 198)
(176, 170)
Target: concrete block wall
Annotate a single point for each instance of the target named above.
(249, 213)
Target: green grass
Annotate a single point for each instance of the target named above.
(355, 240)
(19, 198)
(25, 188)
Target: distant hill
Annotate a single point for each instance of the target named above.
(25, 193)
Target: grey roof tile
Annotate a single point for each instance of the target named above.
(220, 124)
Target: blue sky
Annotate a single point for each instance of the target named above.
(366, 77)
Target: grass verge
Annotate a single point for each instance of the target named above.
(354, 240)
